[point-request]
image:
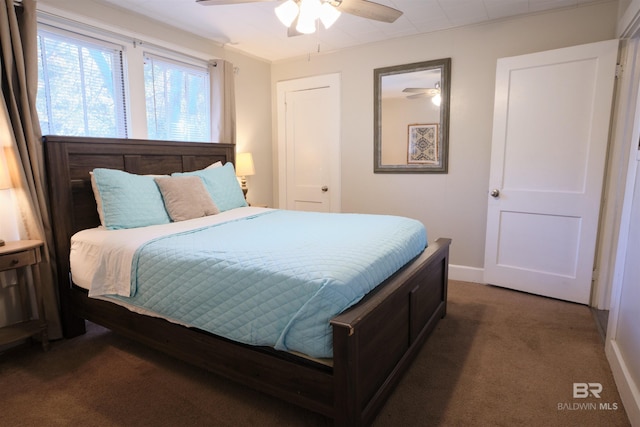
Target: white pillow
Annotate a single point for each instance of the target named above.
(217, 164)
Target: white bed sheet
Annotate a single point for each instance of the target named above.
(101, 259)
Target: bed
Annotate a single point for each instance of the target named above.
(373, 342)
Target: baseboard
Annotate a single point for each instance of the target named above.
(627, 388)
(466, 274)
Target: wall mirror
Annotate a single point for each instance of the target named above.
(411, 102)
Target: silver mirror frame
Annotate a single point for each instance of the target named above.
(443, 138)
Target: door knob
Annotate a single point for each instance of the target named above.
(495, 193)
(324, 188)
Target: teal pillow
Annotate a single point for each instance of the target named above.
(222, 185)
(126, 200)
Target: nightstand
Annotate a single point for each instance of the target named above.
(21, 255)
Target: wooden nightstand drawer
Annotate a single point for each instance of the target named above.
(23, 255)
(17, 260)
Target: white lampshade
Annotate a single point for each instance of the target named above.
(5, 179)
(244, 164)
(287, 12)
(328, 15)
(437, 99)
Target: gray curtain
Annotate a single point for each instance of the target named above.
(223, 108)
(22, 138)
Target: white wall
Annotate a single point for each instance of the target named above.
(253, 118)
(452, 205)
(623, 335)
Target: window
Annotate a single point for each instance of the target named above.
(178, 100)
(98, 83)
(80, 86)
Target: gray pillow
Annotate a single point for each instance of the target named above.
(185, 197)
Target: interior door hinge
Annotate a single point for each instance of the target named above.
(619, 70)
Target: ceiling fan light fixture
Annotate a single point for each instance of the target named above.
(328, 14)
(309, 12)
(437, 99)
(287, 12)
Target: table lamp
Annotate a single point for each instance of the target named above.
(5, 179)
(244, 168)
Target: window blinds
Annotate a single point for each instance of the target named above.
(80, 86)
(177, 99)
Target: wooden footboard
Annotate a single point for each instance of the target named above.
(375, 341)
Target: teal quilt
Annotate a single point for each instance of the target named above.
(272, 279)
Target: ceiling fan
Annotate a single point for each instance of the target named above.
(299, 24)
(423, 92)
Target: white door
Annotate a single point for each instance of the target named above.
(550, 132)
(309, 143)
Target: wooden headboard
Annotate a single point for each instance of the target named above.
(72, 204)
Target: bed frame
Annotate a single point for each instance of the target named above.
(374, 342)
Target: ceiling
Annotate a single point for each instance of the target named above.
(254, 29)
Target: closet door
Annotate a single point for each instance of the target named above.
(309, 143)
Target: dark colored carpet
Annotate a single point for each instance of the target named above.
(499, 358)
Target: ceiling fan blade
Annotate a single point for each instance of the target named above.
(418, 95)
(367, 9)
(422, 91)
(221, 2)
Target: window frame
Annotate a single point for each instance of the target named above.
(133, 55)
(120, 84)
